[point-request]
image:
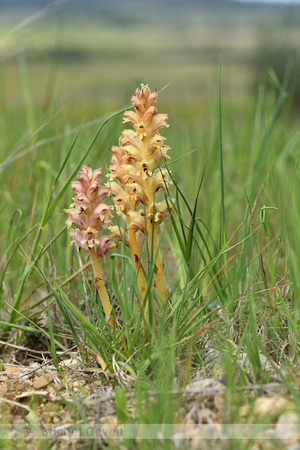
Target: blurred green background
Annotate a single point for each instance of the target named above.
(96, 52)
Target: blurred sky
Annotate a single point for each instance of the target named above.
(288, 2)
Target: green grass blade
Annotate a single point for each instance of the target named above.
(223, 237)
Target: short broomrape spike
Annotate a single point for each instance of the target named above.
(90, 216)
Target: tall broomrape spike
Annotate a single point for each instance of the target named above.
(135, 179)
(90, 216)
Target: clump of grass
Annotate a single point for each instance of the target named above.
(136, 168)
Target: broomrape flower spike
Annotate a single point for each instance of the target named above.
(90, 216)
(134, 180)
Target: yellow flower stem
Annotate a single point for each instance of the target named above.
(136, 254)
(100, 286)
(160, 284)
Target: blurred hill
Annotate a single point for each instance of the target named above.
(161, 10)
(80, 47)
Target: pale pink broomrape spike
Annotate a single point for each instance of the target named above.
(90, 216)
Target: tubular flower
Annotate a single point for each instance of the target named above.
(160, 211)
(137, 220)
(135, 171)
(119, 233)
(104, 244)
(88, 213)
